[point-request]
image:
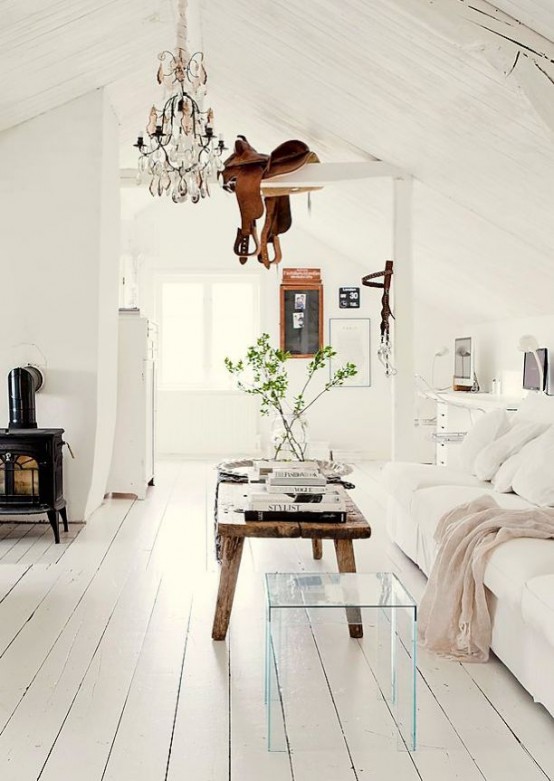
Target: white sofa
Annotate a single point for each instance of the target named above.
(520, 573)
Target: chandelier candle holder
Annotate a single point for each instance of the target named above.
(180, 151)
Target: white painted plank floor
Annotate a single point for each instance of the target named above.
(108, 671)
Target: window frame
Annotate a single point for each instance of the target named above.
(207, 280)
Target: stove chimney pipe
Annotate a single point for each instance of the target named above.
(23, 383)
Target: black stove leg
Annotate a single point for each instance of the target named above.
(54, 523)
(63, 513)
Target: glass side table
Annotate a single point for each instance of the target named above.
(297, 605)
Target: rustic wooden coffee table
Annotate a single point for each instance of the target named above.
(233, 529)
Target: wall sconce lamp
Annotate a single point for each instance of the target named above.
(439, 354)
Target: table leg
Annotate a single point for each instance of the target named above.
(231, 555)
(347, 563)
(317, 548)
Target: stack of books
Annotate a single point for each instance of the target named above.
(296, 495)
(263, 469)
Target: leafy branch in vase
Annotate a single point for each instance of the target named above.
(263, 373)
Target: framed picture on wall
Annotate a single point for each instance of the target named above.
(350, 337)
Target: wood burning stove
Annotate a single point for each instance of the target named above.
(31, 459)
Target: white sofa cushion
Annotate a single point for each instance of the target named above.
(510, 565)
(537, 605)
(516, 562)
(401, 479)
(489, 460)
(534, 480)
(401, 528)
(503, 479)
(485, 430)
(430, 504)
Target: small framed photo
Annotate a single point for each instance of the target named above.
(298, 319)
(300, 301)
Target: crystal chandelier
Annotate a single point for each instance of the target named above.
(180, 152)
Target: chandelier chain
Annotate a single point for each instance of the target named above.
(182, 28)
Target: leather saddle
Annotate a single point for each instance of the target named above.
(243, 174)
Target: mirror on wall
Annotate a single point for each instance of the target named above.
(464, 371)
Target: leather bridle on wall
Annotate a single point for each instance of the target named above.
(384, 353)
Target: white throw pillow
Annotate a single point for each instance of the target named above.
(503, 479)
(534, 480)
(485, 430)
(488, 461)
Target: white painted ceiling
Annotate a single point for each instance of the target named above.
(403, 80)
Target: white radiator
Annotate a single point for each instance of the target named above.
(205, 423)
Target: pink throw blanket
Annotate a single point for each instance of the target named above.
(453, 618)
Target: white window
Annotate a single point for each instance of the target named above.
(203, 319)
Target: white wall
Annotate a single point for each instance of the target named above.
(107, 303)
(59, 204)
(356, 420)
(496, 351)
(197, 237)
(496, 348)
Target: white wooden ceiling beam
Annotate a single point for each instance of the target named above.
(313, 175)
(319, 174)
(489, 20)
(510, 46)
(520, 53)
(537, 81)
(128, 178)
(507, 28)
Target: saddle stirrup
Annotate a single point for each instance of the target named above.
(264, 258)
(242, 244)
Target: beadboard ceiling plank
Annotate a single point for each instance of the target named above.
(63, 50)
(474, 150)
(394, 79)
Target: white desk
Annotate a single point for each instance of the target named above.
(457, 411)
(484, 400)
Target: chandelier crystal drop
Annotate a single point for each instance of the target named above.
(179, 152)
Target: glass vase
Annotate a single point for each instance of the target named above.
(289, 437)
